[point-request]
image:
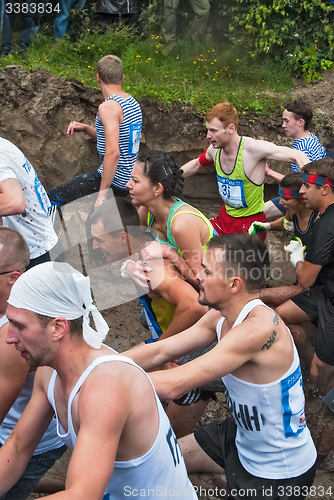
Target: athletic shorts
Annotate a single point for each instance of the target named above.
(329, 400)
(320, 309)
(226, 224)
(217, 440)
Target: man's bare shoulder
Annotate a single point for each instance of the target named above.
(110, 108)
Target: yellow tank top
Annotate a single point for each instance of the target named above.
(241, 196)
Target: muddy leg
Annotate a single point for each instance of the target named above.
(184, 418)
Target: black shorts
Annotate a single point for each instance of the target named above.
(217, 440)
(79, 186)
(320, 309)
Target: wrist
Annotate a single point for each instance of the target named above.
(124, 274)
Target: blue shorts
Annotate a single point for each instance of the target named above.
(35, 470)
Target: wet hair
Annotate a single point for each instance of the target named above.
(110, 70)
(225, 112)
(323, 167)
(74, 324)
(14, 251)
(301, 109)
(127, 212)
(161, 167)
(292, 181)
(245, 256)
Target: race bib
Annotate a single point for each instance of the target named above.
(293, 402)
(134, 138)
(232, 192)
(41, 195)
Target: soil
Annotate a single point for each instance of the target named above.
(36, 110)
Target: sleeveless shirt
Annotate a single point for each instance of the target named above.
(273, 440)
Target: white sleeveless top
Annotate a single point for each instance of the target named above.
(273, 440)
(161, 469)
(50, 440)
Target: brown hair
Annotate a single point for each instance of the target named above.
(301, 109)
(247, 256)
(225, 112)
(14, 252)
(110, 70)
(74, 324)
(292, 181)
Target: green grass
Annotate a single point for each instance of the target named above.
(201, 73)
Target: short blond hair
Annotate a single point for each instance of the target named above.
(110, 70)
(225, 112)
(14, 251)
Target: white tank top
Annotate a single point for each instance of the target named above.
(161, 469)
(273, 440)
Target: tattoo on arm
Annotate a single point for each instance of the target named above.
(272, 337)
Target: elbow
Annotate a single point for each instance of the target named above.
(16, 207)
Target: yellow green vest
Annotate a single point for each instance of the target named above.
(240, 195)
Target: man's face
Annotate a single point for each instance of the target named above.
(31, 339)
(292, 126)
(312, 195)
(212, 280)
(113, 247)
(218, 134)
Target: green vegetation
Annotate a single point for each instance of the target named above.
(226, 64)
(301, 33)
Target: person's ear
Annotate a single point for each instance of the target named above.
(59, 327)
(13, 276)
(236, 284)
(158, 189)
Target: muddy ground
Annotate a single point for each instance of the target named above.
(36, 110)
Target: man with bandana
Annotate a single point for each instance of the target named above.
(315, 274)
(120, 446)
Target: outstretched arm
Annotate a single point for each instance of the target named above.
(181, 295)
(267, 150)
(205, 160)
(81, 127)
(202, 334)
(22, 442)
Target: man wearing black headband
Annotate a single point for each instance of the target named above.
(316, 275)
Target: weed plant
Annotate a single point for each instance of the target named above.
(200, 72)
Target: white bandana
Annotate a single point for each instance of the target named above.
(58, 290)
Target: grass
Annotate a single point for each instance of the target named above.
(197, 72)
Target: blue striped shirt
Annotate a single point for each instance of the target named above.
(129, 139)
(311, 147)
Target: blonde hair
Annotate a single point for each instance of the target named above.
(110, 70)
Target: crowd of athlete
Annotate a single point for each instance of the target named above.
(200, 283)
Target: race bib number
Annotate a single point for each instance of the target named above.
(232, 192)
(134, 138)
(293, 402)
(41, 195)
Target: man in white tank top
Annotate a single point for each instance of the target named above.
(16, 379)
(121, 447)
(266, 448)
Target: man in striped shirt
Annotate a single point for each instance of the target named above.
(297, 118)
(117, 131)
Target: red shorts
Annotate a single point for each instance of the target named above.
(225, 224)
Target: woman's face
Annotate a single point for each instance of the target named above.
(140, 187)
